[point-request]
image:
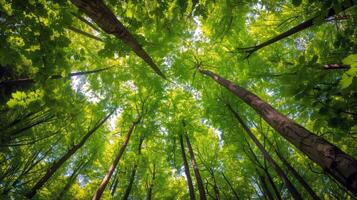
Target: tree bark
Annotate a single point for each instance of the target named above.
(133, 172)
(335, 162)
(230, 186)
(267, 156)
(50, 171)
(200, 185)
(115, 162)
(71, 180)
(187, 170)
(149, 193)
(298, 177)
(108, 22)
(265, 187)
(307, 24)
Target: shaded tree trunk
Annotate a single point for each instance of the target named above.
(230, 186)
(265, 187)
(133, 172)
(56, 165)
(108, 22)
(187, 170)
(307, 24)
(335, 162)
(115, 162)
(115, 183)
(200, 185)
(298, 177)
(266, 155)
(71, 180)
(149, 193)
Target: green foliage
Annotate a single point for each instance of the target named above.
(42, 118)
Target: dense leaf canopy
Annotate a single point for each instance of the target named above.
(82, 81)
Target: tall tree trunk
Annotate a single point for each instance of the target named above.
(335, 162)
(298, 177)
(115, 183)
(270, 179)
(56, 165)
(307, 24)
(149, 193)
(115, 162)
(187, 170)
(71, 180)
(30, 81)
(230, 186)
(200, 185)
(108, 22)
(266, 155)
(216, 189)
(265, 187)
(133, 172)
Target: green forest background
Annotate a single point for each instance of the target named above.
(178, 99)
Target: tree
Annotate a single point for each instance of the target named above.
(56, 165)
(337, 163)
(304, 25)
(107, 21)
(115, 162)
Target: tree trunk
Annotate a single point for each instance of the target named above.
(50, 171)
(216, 189)
(335, 162)
(149, 194)
(266, 155)
(298, 177)
(133, 172)
(230, 186)
(131, 181)
(108, 22)
(115, 162)
(187, 170)
(265, 187)
(200, 185)
(307, 24)
(30, 81)
(71, 180)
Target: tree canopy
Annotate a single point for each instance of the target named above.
(178, 99)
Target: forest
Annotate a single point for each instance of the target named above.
(178, 99)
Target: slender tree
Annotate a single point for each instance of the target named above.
(199, 181)
(58, 164)
(151, 185)
(108, 22)
(187, 169)
(335, 162)
(266, 155)
(306, 24)
(115, 162)
(133, 172)
(71, 180)
(297, 176)
(230, 186)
